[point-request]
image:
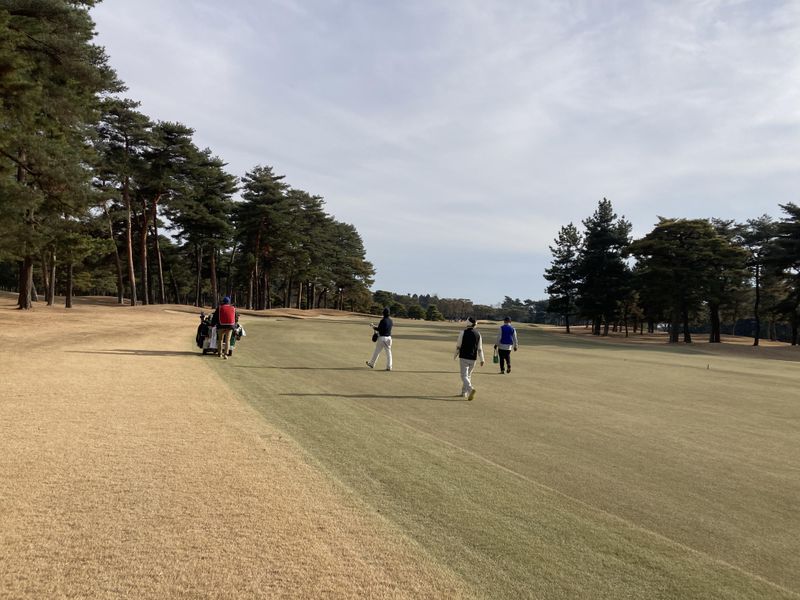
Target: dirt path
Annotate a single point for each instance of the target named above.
(128, 469)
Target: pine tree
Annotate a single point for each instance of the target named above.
(563, 273)
(604, 277)
(51, 78)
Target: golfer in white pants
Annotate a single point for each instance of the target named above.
(384, 341)
(469, 348)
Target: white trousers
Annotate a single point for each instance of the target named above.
(467, 367)
(384, 343)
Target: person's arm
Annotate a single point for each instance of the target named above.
(516, 343)
(498, 338)
(480, 348)
(458, 343)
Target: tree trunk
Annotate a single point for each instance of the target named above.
(757, 317)
(25, 282)
(175, 286)
(715, 336)
(198, 253)
(154, 217)
(675, 327)
(68, 299)
(687, 335)
(300, 296)
(143, 255)
(129, 240)
(566, 322)
(52, 292)
(117, 261)
(250, 292)
(46, 279)
(214, 287)
(229, 274)
(267, 290)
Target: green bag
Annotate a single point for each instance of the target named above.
(495, 358)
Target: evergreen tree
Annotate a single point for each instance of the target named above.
(756, 237)
(50, 79)
(684, 261)
(783, 259)
(123, 135)
(433, 313)
(563, 273)
(604, 278)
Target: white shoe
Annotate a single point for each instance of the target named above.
(369, 364)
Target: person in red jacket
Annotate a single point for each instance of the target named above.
(225, 319)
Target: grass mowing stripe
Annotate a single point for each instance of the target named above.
(621, 519)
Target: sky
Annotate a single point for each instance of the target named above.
(459, 136)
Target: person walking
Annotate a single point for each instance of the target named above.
(225, 319)
(505, 342)
(384, 341)
(468, 348)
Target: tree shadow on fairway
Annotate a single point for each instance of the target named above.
(130, 352)
(365, 369)
(456, 398)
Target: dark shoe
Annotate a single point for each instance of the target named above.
(472, 394)
(509, 369)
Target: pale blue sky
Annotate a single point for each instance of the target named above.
(458, 136)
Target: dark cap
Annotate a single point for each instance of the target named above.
(385, 312)
(507, 319)
(472, 320)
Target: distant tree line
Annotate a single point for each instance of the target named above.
(686, 275)
(433, 308)
(96, 198)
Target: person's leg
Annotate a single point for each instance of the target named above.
(388, 347)
(470, 369)
(376, 353)
(465, 384)
(226, 342)
(220, 338)
(505, 360)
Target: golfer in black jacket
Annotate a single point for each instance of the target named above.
(468, 348)
(384, 341)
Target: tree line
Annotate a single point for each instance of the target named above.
(96, 197)
(431, 307)
(685, 275)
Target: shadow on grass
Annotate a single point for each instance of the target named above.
(456, 398)
(127, 352)
(364, 368)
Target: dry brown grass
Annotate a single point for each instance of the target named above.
(129, 469)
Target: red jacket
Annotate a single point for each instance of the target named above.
(225, 316)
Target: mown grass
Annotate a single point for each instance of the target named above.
(592, 471)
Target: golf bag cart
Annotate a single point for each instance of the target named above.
(206, 338)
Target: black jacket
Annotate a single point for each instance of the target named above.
(384, 328)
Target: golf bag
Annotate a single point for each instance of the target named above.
(206, 335)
